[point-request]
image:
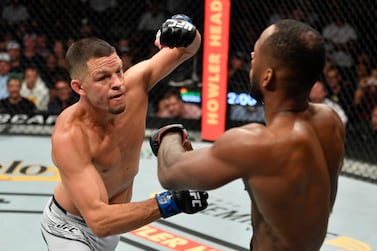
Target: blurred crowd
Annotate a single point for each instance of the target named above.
(349, 79)
(36, 34)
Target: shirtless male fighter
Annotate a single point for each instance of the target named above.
(290, 166)
(96, 144)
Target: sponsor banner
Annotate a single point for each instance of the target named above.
(215, 68)
(18, 170)
(169, 239)
(29, 124)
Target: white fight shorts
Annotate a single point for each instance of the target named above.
(64, 231)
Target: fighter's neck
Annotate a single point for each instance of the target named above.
(95, 116)
(286, 107)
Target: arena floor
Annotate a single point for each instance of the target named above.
(27, 178)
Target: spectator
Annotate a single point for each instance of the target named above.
(361, 72)
(137, 46)
(172, 106)
(15, 103)
(304, 11)
(15, 12)
(64, 97)
(69, 41)
(339, 91)
(329, 64)
(365, 97)
(41, 45)
(364, 133)
(238, 75)
(6, 35)
(29, 55)
(102, 11)
(4, 71)
(19, 31)
(318, 94)
(34, 89)
(87, 29)
(52, 71)
(59, 50)
(366, 59)
(151, 19)
(14, 50)
(125, 53)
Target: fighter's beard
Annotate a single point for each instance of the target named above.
(255, 91)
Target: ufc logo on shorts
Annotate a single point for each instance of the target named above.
(196, 201)
(180, 24)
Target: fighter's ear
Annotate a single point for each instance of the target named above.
(76, 86)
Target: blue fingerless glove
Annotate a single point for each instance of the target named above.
(174, 202)
(167, 205)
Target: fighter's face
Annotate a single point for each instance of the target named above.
(259, 66)
(105, 85)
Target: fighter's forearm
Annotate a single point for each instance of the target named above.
(122, 218)
(170, 150)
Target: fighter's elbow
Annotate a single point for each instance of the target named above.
(166, 182)
(100, 231)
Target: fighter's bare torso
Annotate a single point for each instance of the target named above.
(114, 148)
(290, 201)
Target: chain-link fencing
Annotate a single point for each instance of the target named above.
(35, 35)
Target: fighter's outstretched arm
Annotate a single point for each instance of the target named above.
(178, 40)
(204, 168)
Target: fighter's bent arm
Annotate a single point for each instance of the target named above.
(87, 190)
(181, 169)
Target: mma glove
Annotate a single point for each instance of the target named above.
(177, 31)
(174, 202)
(156, 138)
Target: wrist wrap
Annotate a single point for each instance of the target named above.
(166, 204)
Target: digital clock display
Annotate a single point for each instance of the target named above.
(243, 99)
(233, 98)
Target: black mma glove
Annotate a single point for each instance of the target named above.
(177, 31)
(156, 138)
(174, 202)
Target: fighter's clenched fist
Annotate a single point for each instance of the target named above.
(177, 31)
(174, 202)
